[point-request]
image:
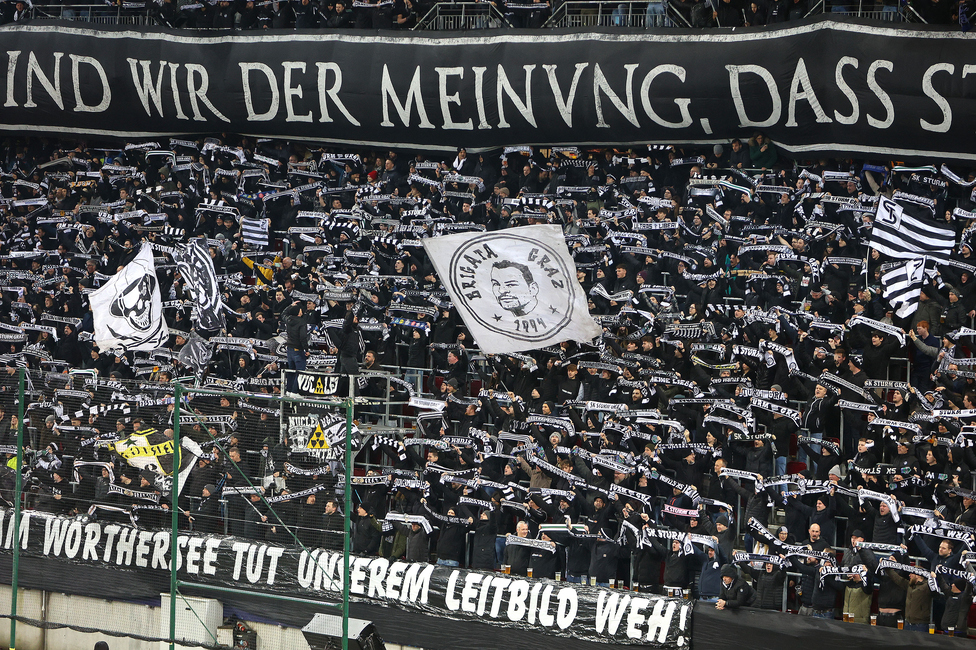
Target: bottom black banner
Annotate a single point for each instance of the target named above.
(538, 606)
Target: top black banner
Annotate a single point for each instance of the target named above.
(816, 86)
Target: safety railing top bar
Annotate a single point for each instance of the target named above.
(465, 16)
(462, 16)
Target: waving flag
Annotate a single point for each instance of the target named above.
(515, 289)
(128, 309)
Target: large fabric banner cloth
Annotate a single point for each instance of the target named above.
(818, 85)
(515, 289)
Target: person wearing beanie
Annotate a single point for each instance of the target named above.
(768, 582)
(725, 534)
(205, 515)
(958, 598)
(859, 591)
(736, 592)
(717, 158)
(877, 350)
(956, 314)
(816, 598)
(366, 531)
(821, 459)
(710, 579)
(676, 565)
(918, 599)
(784, 535)
(822, 512)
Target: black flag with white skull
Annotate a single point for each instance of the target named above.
(128, 309)
(197, 270)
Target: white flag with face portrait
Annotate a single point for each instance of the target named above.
(515, 289)
(128, 309)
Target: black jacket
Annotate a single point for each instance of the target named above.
(956, 613)
(483, 554)
(296, 328)
(737, 594)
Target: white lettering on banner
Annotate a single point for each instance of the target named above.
(735, 71)
(106, 99)
(324, 68)
(377, 571)
(610, 611)
(160, 549)
(565, 106)
(125, 546)
(294, 91)
(567, 608)
(281, 88)
(453, 602)
(540, 604)
(210, 557)
(272, 112)
(470, 592)
(254, 565)
(197, 84)
(357, 573)
(53, 88)
(446, 100)
(682, 102)
(600, 83)
(414, 97)
(483, 596)
(517, 608)
(93, 532)
(802, 88)
(524, 107)
(846, 90)
(318, 385)
(882, 96)
(939, 100)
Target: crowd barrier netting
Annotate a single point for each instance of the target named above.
(99, 467)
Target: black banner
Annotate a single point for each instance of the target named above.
(543, 606)
(819, 85)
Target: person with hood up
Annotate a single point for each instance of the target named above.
(736, 592)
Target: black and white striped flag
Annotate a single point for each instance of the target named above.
(255, 232)
(902, 285)
(906, 230)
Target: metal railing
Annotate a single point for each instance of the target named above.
(462, 16)
(594, 13)
(93, 13)
(860, 9)
(466, 16)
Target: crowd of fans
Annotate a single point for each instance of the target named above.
(404, 14)
(744, 382)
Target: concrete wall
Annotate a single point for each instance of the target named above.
(125, 617)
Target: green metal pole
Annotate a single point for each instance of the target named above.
(174, 498)
(15, 570)
(345, 522)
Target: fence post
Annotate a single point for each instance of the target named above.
(15, 568)
(175, 525)
(347, 498)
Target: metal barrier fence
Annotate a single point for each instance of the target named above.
(593, 13)
(93, 13)
(462, 16)
(466, 16)
(136, 474)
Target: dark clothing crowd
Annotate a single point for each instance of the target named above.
(756, 426)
